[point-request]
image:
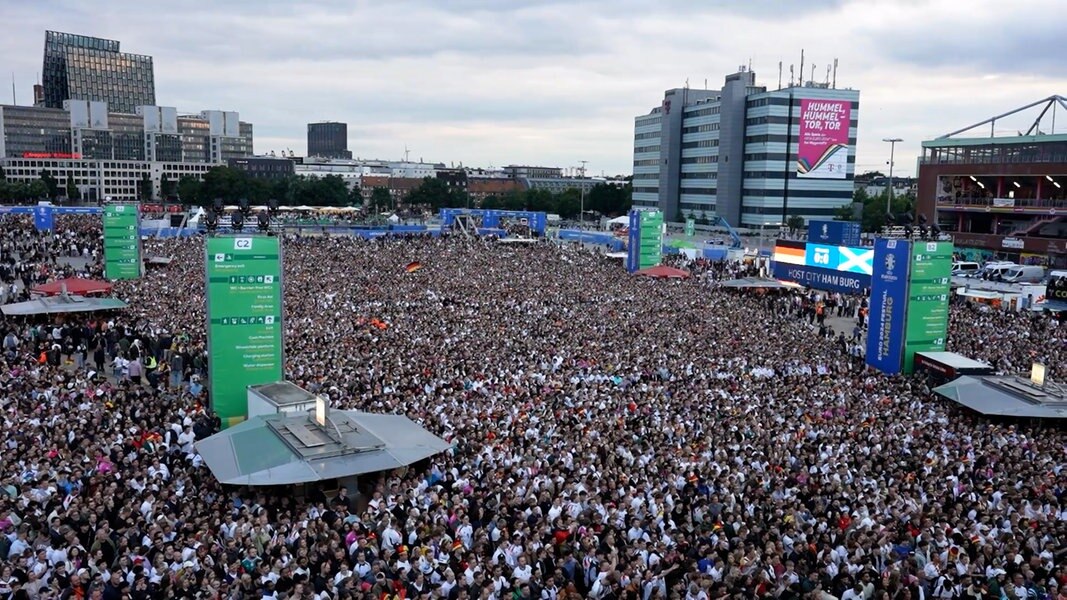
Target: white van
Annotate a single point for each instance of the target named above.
(1024, 274)
(995, 271)
(964, 268)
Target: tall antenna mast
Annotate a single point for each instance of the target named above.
(801, 82)
(406, 152)
(812, 78)
(835, 74)
(827, 80)
(790, 75)
(14, 101)
(779, 74)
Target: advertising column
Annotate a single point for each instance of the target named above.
(244, 320)
(122, 242)
(889, 296)
(930, 283)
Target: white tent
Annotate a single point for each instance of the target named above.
(623, 220)
(393, 219)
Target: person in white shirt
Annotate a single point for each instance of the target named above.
(522, 571)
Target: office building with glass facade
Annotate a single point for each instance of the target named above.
(328, 140)
(88, 68)
(733, 153)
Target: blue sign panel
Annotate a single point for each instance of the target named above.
(43, 218)
(822, 279)
(633, 246)
(834, 233)
(536, 221)
(840, 258)
(889, 298)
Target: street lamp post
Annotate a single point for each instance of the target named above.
(581, 187)
(892, 151)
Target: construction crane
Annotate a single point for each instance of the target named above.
(718, 221)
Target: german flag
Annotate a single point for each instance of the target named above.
(788, 255)
(413, 266)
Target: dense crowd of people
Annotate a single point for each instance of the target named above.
(610, 437)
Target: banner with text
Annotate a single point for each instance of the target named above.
(889, 296)
(122, 242)
(930, 283)
(822, 139)
(244, 319)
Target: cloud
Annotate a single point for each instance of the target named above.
(552, 82)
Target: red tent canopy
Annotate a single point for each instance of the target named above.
(663, 272)
(74, 285)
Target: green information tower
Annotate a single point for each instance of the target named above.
(122, 242)
(929, 287)
(244, 319)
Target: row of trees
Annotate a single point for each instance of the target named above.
(435, 194)
(873, 208)
(232, 185)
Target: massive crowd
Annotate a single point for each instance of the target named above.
(611, 437)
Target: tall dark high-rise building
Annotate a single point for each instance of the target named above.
(328, 140)
(88, 68)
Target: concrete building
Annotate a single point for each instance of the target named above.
(328, 139)
(108, 153)
(88, 68)
(733, 153)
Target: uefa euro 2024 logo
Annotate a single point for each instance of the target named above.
(890, 264)
(825, 231)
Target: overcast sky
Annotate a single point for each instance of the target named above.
(496, 82)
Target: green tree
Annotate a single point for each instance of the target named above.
(874, 209)
(569, 204)
(72, 190)
(189, 191)
(380, 199)
(144, 188)
(355, 196)
(51, 184)
(167, 187)
(795, 223)
(3, 176)
(608, 199)
(433, 193)
(34, 190)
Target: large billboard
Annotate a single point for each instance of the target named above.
(822, 139)
(840, 258)
(930, 283)
(122, 242)
(834, 233)
(244, 319)
(889, 296)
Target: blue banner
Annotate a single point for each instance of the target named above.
(43, 218)
(822, 279)
(889, 297)
(633, 242)
(834, 233)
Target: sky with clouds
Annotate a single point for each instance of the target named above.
(495, 82)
